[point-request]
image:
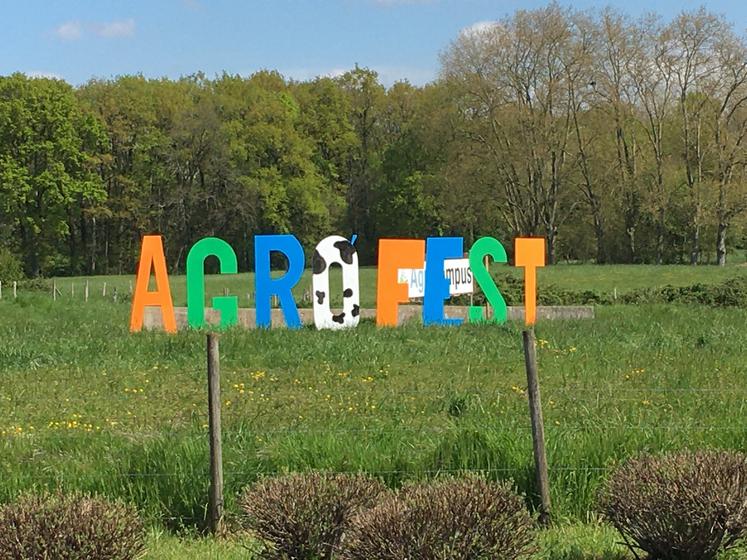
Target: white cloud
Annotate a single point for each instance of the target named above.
(479, 28)
(69, 31)
(48, 75)
(113, 29)
(74, 30)
(388, 75)
(335, 72)
(303, 74)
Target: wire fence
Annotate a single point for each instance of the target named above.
(116, 290)
(591, 422)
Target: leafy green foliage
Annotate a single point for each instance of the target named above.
(679, 506)
(10, 266)
(69, 527)
(85, 172)
(49, 149)
(731, 292)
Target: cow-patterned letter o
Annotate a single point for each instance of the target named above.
(335, 250)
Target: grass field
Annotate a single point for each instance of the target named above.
(86, 405)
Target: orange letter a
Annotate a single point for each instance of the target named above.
(151, 256)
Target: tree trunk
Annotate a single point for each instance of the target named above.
(599, 235)
(695, 253)
(630, 232)
(551, 238)
(721, 243)
(660, 239)
(94, 247)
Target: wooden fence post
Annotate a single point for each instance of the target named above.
(86, 297)
(216, 452)
(538, 429)
(103, 291)
(15, 289)
(54, 290)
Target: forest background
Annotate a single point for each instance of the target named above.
(620, 140)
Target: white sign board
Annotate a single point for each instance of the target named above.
(415, 280)
(456, 270)
(460, 275)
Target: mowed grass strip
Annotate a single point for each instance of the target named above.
(87, 405)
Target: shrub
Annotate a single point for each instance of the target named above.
(303, 516)
(69, 527)
(679, 506)
(10, 266)
(512, 290)
(35, 285)
(459, 519)
(729, 293)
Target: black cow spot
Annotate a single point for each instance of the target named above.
(320, 297)
(356, 311)
(318, 264)
(346, 250)
(339, 318)
(348, 293)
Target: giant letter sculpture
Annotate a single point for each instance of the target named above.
(228, 305)
(151, 257)
(335, 250)
(530, 254)
(393, 255)
(266, 286)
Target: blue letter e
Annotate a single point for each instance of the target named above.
(437, 250)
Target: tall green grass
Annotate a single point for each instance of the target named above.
(84, 404)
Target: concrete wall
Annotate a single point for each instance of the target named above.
(247, 317)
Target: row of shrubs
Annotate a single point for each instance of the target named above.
(679, 506)
(729, 293)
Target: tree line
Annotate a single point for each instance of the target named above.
(618, 139)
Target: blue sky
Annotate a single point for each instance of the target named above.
(77, 40)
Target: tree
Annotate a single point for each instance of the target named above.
(363, 171)
(728, 131)
(613, 82)
(515, 101)
(48, 151)
(692, 38)
(134, 170)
